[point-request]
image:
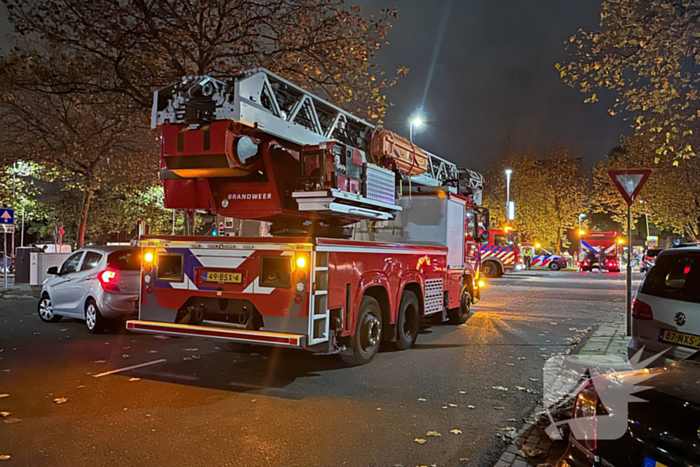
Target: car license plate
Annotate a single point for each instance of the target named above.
(680, 338)
(649, 462)
(222, 277)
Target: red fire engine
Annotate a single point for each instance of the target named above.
(595, 246)
(369, 232)
(500, 252)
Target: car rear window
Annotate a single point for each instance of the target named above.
(652, 253)
(674, 276)
(125, 260)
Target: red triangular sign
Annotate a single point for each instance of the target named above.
(629, 182)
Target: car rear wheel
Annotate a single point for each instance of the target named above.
(408, 321)
(554, 266)
(93, 318)
(368, 333)
(46, 312)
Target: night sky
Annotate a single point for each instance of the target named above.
(493, 77)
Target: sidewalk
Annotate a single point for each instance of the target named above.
(20, 291)
(531, 446)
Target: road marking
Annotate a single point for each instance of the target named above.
(130, 368)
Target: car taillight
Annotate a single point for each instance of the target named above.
(108, 280)
(641, 310)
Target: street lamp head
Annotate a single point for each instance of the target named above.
(581, 216)
(509, 171)
(417, 121)
(581, 232)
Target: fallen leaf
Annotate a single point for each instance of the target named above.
(519, 388)
(529, 451)
(100, 361)
(4, 457)
(126, 348)
(152, 351)
(254, 400)
(553, 323)
(452, 405)
(5, 414)
(456, 431)
(506, 432)
(444, 406)
(60, 400)
(462, 392)
(379, 408)
(433, 433)
(4, 395)
(125, 356)
(512, 420)
(510, 364)
(499, 388)
(499, 408)
(12, 420)
(470, 406)
(534, 379)
(420, 399)
(420, 440)
(161, 336)
(81, 386)
(134, 379)
(192, 349)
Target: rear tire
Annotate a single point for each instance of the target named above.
(554, 266)
(45, 309)
(408, 321)
(461, 314)
(491, 269)
(368, 333)
(93, 318)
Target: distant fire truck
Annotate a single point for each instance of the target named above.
(500, 252)
(369, 232)
(595, 242)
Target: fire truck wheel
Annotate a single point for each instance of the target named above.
(460, 314)
(491, 269)
(407, 321)
(554, 266)
(368, 333)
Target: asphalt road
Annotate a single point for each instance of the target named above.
(195, 404)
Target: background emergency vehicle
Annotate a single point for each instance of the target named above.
(500, 252)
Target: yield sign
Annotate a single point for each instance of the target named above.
(629, 182)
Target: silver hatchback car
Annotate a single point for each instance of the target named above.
(95, 284)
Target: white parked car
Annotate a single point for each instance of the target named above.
(95, 284)
(666, 311)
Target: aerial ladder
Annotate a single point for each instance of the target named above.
(260, 147)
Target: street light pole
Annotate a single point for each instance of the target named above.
(417, 122)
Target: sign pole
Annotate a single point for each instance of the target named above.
(4, 258)
(629, 270)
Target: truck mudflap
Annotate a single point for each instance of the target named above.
(230, 335)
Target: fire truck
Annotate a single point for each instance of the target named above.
(500, 252)
(595, 242)
(368, 233)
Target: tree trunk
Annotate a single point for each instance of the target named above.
(558, 240)
(84, 216)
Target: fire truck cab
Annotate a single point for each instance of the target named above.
(500, 252)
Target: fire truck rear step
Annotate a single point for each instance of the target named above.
(229, 335)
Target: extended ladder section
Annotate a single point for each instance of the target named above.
(260, 99)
